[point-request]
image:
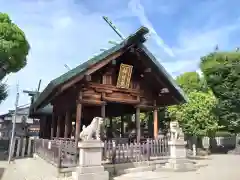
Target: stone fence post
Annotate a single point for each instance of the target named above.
(178, 156)
(90, 161)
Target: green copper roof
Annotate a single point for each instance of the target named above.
(136, 38)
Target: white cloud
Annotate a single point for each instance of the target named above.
(63, 22)
(191, 45)
(138, 10)
(66, 34)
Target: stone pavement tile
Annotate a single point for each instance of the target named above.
(10, 171)
(27, 170)
(221, 167)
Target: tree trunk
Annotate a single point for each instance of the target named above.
(199, 143)
(3, 71)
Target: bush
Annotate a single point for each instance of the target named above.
(223, 134)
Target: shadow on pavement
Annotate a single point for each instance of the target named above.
(3, 156)
(1, 172)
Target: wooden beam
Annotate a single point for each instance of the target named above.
(119, 100)
(91, 102)
(110, 88)
(88, 78)
(70, 83)
(152, 73)
(91, 70)
(145, 107)
(104, 62)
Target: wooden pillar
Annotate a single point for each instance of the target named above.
(110, 122)
(62, 129)
(155, 123)
(150, 125)
(58, 126)
(41, 128)
(49, 122)
(68, 124)
(122, 126)
(53, 126)
(103, 110)
(78, 119)
(103, 115)
(137, 120)
(44, 125)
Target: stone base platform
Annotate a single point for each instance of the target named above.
(91, 173)
(178, 165)
(90, 162)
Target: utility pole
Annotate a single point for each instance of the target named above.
(13, 126)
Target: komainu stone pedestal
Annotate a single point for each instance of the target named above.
(90, 161)
(178, 158)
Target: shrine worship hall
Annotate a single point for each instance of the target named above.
(118, 85)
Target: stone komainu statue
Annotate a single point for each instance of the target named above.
(92, 129)
(175, 130)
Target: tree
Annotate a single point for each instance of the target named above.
(222, 73)
(3, 92)
(190, 81)
(14, 46)
(196, 117)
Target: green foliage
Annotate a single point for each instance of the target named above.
(196, 117)
(222, 73)
(191, 81)
(3, 92)
(14, 46)
(223, 134)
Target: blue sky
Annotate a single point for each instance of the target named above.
(71, 31)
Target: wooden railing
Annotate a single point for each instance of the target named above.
(63, 153)
(134, 152)
(49, 150)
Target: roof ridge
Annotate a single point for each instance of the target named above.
(137, 37)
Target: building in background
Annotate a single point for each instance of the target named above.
(24, 126)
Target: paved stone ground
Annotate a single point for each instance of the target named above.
(220, 167)
(28, 169)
